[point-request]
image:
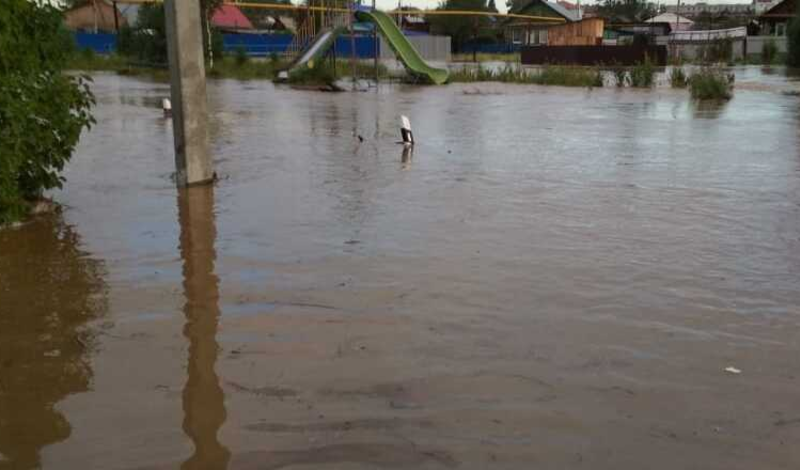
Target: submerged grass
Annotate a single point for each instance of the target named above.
(677, 77)
(486, 57)
(547, 75)
(711, 83)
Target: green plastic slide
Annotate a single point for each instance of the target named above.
(405, 51)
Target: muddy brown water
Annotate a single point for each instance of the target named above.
(555, 278)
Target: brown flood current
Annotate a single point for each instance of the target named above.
(555, 278)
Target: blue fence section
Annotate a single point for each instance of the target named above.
(365, 47)
(101, 43)
(260, 45)
(257, 45)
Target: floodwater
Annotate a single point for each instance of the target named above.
(554, 278)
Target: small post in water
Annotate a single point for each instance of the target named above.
(166, 105)
(405, 131)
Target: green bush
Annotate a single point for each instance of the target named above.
(42, 110)
(720, 50)
(769, 51)
(677, 78)
(241, 56)
(643, 74)
(711, 83)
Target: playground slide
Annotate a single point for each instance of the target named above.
(402, 47)
(316, 49)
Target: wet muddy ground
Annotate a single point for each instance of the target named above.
(555, 278)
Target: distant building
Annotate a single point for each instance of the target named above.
(775, 20)
(676, 22)
(95, 16)
(526, 32)
(692, 10)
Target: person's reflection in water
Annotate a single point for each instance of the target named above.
(50, 292)
(203, 398)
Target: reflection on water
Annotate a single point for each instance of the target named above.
(407, 156)
(203, 399)
(49, 291)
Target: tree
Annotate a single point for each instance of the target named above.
(207, 9)
(460, 28)
(42, 110)
(627, 10)
(793, 40)
(148, 42)
(516, 5)
(492, 6)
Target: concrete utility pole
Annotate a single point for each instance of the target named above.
(188, 85)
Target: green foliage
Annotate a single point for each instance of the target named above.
(322, 74)
(461, 29)
(793, 40)
(769, 51)
(711, 83)
(42, 111)
(678, 78)
(147, 43)
(627, 10)
(643, 74)
(241, 56)
(548, 75)
(719, 51)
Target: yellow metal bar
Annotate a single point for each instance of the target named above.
(277, 6)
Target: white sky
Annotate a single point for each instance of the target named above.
(501, 4)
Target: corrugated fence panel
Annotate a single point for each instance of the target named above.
(433, 48)
(102, 43)
(258, 45)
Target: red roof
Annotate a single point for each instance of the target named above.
(568, 5)
(230, 16)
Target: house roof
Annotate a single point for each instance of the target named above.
(669, 18)
(230, 17)
(564, 12)
(784, 9)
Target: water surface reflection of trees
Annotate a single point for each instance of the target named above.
(50, 290)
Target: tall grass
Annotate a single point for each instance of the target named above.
(643, 74)
(711, 83)
(547, 75)
(677, 77)
(769, 51)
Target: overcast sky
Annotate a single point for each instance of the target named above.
(501, 4)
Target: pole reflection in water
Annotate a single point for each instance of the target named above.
(203, 398)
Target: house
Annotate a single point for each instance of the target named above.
(526, 32)
(586, 32)
(676, 22)
(775, 20)
(230, 18)
(94, 16)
